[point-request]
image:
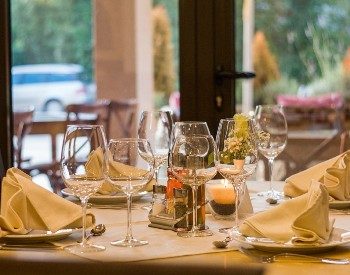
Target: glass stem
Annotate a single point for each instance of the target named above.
(156, 171)
(236, 206)
(129, 231)
(270, 182)
(194, 208)
(83, 206)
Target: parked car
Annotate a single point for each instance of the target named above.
(48, 87)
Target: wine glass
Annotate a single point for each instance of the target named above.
(271, 127)
(190, 128)
(80, 142)
(156, 127)
(238, 156)
(192, 161)
(133, 158)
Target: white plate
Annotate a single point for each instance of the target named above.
(35, 236)
(265, 244)
(107, 199)
(339, 204)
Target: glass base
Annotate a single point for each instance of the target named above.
(147, 207)
(272, 194)
(86, 248)
(225, 230)
(129, 243)
(195, 233)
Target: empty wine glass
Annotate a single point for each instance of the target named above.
(271, 127)
(80, 142)
(192, 161)
(156, 127)
(190, 128)
(238, 156)
(132, 157)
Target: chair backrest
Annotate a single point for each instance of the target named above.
(101, 108)
(125, 114)
(22, 124)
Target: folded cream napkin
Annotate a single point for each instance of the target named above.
(93, 168)
(304, 219)
(333, 173)
(26, 205)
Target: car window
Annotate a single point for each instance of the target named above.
(63, 77)
(34, 78)
(17, 78)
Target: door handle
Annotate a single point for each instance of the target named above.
(220, 75)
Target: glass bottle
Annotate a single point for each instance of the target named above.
(158, 200)
(180, 207)
(172, 183)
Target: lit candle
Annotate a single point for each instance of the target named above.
(222, 193)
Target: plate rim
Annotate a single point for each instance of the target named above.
(59, 233)
(289, 246)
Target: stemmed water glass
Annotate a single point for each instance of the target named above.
(192, 161)
(80, 142)
(156, 127)
(236, 171)
(271, 126)
(134, 158)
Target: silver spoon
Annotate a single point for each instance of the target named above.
(271, 200)
(222, 244)
(97, 230)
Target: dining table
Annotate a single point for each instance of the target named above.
(306, 148)
(166, 253)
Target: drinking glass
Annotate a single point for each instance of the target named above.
(156, 127)
(271, 127)
(236, 171)
(80, 142)
(190, 128)
(134, 158)
(192, 161)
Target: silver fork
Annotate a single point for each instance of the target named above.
(291, 256)
(308, 258)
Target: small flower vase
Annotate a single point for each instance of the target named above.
(239, 163)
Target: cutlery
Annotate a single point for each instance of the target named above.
(291, 256)
(97, 230)
(31, 246)
(222, 244)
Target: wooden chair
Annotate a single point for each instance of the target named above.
(344, 141)
(22, 123)
(125, 113)
(76, 113)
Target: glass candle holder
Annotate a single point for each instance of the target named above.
(222, 197)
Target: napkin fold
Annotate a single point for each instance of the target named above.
(26, 205)
(333, 173)
(304, 219)
(116, 169)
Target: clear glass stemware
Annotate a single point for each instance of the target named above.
(156, 127)
(80, 143)
(236, 171)
(192, 161)
(130, 160)
(272, 130)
